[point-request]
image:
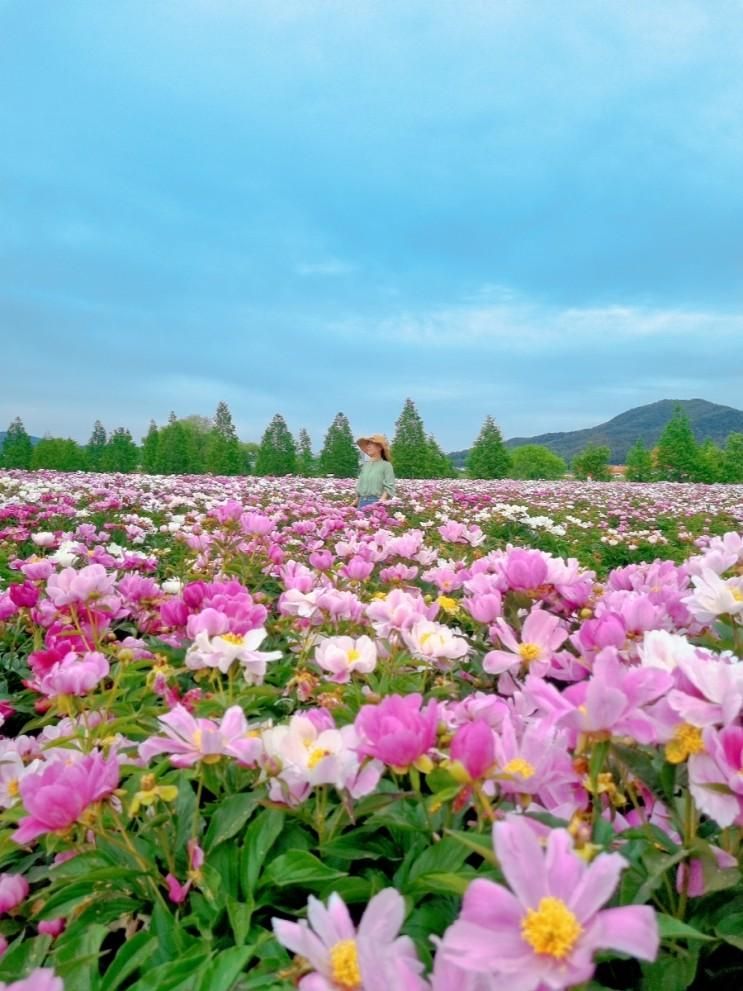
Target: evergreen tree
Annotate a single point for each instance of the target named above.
(17, 448)
(121, 453)
(437, 463)
(96, 447)
(593, 463)
(305, 458)
(339, 455)
(732, 460)
(488, 457)
(710, 468)
(174, 455)
(639, 463)
(149, 449)
(534, 461)
(677, 457)
(58, 454)
(223, 455)
(248, 454)
(410, 450)
(277, 454)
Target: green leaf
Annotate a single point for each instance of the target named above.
(731, 929)
(671, 928)
(229, 818)
(173, 974)
(480, 843)
(239, 913)
(300, 868)
(76, 957)
(134, 952)
(445, 883)
(23, 956)
(445, 857)
(260, 836)
(670, 973)
(222, 972)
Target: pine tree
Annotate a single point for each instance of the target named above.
(96, 447)
(339, 455)
(593, 463)
(278, 451)
(17, 448)
(223, 455)
(305, 457)
(639, 463)
(121, 453)
(534, 461)
(438, 465)
(488, 457)
(732, 460)
(410, 451)
(710, 468)
(677, 455)
(149, 449)
(173, 454)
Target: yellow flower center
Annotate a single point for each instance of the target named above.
(353, 655)
(687, 740)
(520, 766)
(447, 603)
(425, 637)
(551, 928)
(737, 594)
(315, 756)
(344, 965)
(232, 638)
(529, 652)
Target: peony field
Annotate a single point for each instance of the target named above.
(486, 736)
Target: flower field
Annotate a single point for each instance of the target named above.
(489, 736)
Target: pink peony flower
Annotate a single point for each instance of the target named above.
(75, 674)
(398, 731)
(715, 778)
(41, 979)
(544, 932)
(541, 635)
(52, 927)
(189, 740)
(341, 656)
(474, 748)
(57, 796)
(370, 958)
(13, 890)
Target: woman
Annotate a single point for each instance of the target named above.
(377, 479)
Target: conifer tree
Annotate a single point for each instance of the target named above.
(710, 468)
(96, 447)
(677, 456)
(223, 456)
(339, 455)
(488, 456)
(639, 463)
(305, 457)
(731, 469)
(410, 450)
(149, 449)
(121, 453)
(17, 448)
(438, 465)
(277, 454)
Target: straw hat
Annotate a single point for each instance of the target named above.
(377, 439)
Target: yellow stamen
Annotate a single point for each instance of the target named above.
(344, 965)
(316, 756)
(529, 652)
(520, 766)
(13, 789)
(353, 655)
(687, 740)
(551, 928)
(232, 638)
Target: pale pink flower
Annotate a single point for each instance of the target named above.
(342, 656)
(189, 740)
(41, 979)
(541, 636)
(223, 650)
(13, 890)
(431, 641)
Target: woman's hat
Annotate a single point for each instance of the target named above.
(377, 439)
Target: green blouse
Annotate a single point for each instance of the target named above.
(376, 477)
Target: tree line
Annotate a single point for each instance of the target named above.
(201, 445)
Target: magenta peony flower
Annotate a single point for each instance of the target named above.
(57, 796)
(397, 731)
(473, 747)
(13, 890)
(370, 958)
(75, 674)
(545, 931)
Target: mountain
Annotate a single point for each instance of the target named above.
(710, 421)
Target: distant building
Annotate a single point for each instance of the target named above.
(618, 471)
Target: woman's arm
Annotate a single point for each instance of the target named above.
(388, 484)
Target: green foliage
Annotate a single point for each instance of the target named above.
(305, 458)
(96, 447)
(17, 449)
(677, 456)
(277, 454)
(710, 462)
(339, 455)
(149, 449)
(121, 453)
(223, 455)
(639, 463)
(488, 457)
(593, 463)
(58, 454)
(437, 464)
(534, 461)
(731, 469)
(409, 445)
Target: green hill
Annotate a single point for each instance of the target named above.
(710, 421)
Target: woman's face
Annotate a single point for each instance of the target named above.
(373, 450)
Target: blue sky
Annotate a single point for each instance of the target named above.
(527, 208)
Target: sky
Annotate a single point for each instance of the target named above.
(524, 208)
